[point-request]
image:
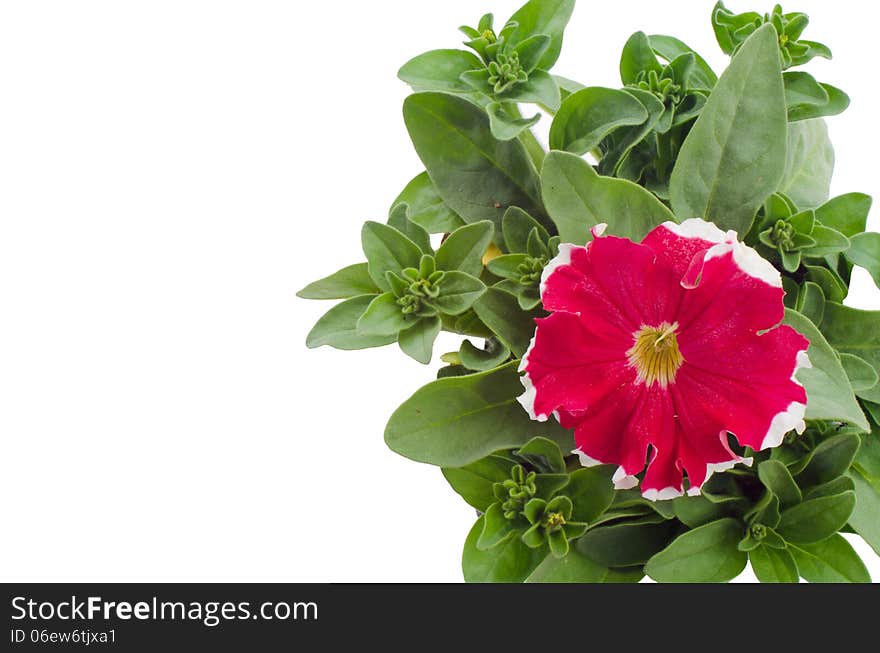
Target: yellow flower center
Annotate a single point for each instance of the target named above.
(655, 354)
(554, 520)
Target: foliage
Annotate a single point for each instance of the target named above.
(747, 149)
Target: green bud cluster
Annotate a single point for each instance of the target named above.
(530, 270)
(505, 71)
(758, 531)
(796, 235)
(732, 30)
(782, 234)
(516, 491)
(413, 287)
(662, 87)
(550, 524)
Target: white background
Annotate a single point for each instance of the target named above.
(171, 173)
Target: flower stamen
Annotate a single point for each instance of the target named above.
(655, 354)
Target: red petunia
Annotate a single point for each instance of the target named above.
(656, 351)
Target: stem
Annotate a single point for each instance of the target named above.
(533, 147)
(530, 142)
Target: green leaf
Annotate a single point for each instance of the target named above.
(383, 317)
(847, 213)
(856, 332)
(337, 328)
(426, 208)
(548, 454)
(464, 248)
(578, 568)
(830, 460)
(802, 89)
(837, 103)
(833, 287)
(528, 297)
(588, 116)
(542, 17)
(773, 565)
(839, 485)
(458, 292)
(348, 282)
(806, 98)
(483, 359)
(496, 528)
(540, 88)
(627, 543)
(637, 56)
(591, 491)
(577, 199)
(501, 312)
(439, 70)
(387, 250)
(707, 554)
(831, 561)
(697, 510)
(791, 261)
(817, 519)
(829, 395)
(511, 562)
(474, 482)
(547, 485)
(417, 341)
(455, 421)
(477, 175)
(809, 164)
(567, 86)
(828, 241)
(619, 145)
(531, 50)
(398, 218)
(776, 478)
(864, 517)
(864, 251)
(506, 266)
(811, 302)
(670, 48)
(506, 126)
(868, 458)
(516, 226)
(765, 512)
(734, 156)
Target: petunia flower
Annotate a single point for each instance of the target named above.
(654, 352)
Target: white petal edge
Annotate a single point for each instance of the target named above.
(585, 460)
(622, 481)
(527, 399)
(749, 261)
(563, 257)
(791, 418)
(802, 362)
(712, 468)
(662, 495)
(699, 228)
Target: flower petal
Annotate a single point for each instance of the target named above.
(571, 364)
(676, 245)
(591, 280)
(612, 432)
(730, 300)
(753, 409)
